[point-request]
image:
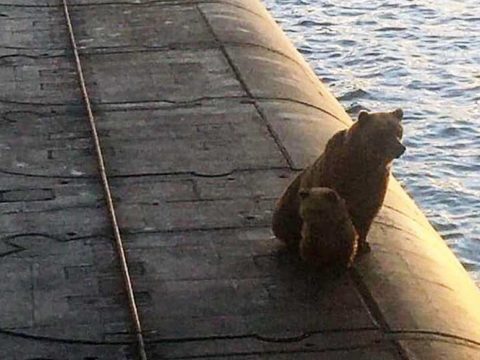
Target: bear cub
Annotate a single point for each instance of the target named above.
(328, 236)
(356, 164)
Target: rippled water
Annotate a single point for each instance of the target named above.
(422, 56)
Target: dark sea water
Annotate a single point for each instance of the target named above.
(422, 56)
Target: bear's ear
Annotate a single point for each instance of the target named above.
(398, 114)
(363, 117)
(303, 193)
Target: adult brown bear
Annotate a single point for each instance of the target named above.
(356, 164)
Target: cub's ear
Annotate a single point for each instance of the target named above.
(363, 116)
(398, 114)
(331, 196)
(304, 193)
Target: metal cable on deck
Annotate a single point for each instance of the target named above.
(106, 187)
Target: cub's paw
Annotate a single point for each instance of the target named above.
(363, 248)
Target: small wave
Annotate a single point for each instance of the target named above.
(445, 226)
(451, 235)
(347, 42)
(469, 266)
(305, 50)
(450, 132)
(391, 28)
(474, 19)
(313, 23)
(356, 108)
(355, 94)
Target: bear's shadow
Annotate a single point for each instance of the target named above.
(295, 281)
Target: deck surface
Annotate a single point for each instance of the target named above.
(205, 114)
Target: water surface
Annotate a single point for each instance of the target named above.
(422, 56)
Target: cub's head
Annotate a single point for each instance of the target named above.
(320, 203)
(377, 136)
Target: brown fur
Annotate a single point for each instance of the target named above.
(328, 235)
(356, 164)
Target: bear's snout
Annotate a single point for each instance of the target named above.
(400, 149)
